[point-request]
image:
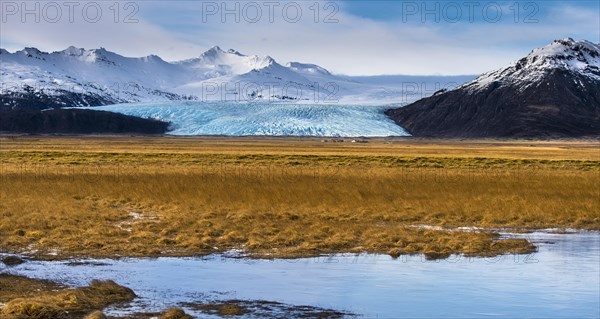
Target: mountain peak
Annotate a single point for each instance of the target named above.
(30, 51)
(72, 51)
(568, 47)
(101, 50)
(213, 52)
(260, 62)
(581, 57)
(152, 58)
(567, 54)
(99, 55)
(216, 52)
(565, 41)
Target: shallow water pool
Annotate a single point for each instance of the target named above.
(561, 280)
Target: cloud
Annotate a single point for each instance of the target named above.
(128, 35)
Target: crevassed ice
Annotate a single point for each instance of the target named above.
(241, 119)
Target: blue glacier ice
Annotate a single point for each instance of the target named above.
(243, 119)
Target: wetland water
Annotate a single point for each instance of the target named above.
(561, 280)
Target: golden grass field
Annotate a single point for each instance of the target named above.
(106, 196)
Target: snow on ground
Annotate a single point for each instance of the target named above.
(276, 119)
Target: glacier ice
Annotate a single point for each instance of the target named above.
(273, 119)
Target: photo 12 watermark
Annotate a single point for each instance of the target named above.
(469, 11)
(69, 11)
(270, 11)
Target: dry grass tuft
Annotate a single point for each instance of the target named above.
(12, 287)
(96, 315)
(223, 309)
(22, 309)
(266, 309)
(175, 313)
(68, 303)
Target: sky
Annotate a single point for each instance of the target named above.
(346, 37)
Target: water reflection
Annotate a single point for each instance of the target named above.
(561, 280)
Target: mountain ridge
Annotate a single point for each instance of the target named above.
(91, 77)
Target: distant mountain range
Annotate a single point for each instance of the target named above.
(78, 77)
(552, 92)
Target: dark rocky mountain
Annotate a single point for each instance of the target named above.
(75, 121)
(553, 92)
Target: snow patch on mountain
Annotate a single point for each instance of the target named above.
(581, 57)
(307, 68)
(231, 62)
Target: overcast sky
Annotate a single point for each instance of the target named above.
(346, 37)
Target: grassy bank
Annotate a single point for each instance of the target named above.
(27, 298)
(111, 196)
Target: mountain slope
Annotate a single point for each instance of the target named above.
(553, 92)
(75, 121)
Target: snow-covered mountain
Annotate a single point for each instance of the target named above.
(553, 91)
(80, 77)
(576, 57)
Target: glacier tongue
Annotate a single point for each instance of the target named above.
(242, 119)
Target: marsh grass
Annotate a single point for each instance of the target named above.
(12, 287)
(175, 313)
(27, 298)
(61, 303)
(278, 199)
(96, 315)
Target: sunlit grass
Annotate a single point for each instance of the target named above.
(139, 197)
